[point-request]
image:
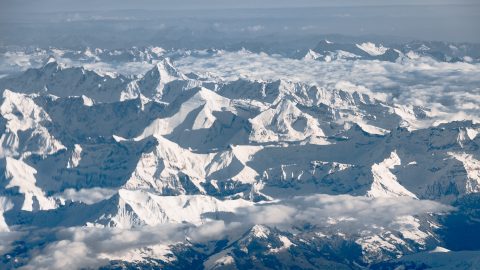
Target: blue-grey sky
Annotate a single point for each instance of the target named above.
(443, 20)
(76, 5)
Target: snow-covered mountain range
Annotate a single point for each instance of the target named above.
(441, 51)
(160, 168)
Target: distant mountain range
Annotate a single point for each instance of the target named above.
(440, 51)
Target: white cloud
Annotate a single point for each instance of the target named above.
(450, 90)
(447, 88)
(323, 209)
(77, 247)
(88, 196)
(16, 61)
(307, 27)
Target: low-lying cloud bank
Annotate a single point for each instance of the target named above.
(76, 247)
(87, 196)
(451, 90)
(327, 210)
(89, 247)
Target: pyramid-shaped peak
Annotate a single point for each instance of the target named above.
(51, 59)
(51, 63)
(165, 69)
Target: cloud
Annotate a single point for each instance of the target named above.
(450, 90)
(88, 196)
(327, 210)
(446, 88)
(92, 247)
(307, 27)
(124, 68)
(77, 247)
(15, 61)
(253, 28)
(6, 240)
(89, 247)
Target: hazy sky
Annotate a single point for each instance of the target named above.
(447, 20)
(76, 5)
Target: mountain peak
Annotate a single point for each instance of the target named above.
(51, 59)
(153, 83)
(166, 72)
(51, 65)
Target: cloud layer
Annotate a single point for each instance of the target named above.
(92, 247)
(88, 196)
(451, 90)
